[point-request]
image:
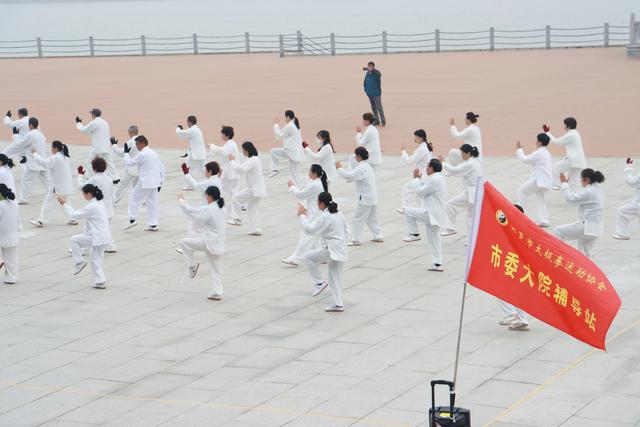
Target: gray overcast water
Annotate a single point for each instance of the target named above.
(61, 19)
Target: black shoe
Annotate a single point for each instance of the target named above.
(376, 122)
(383, 124)
(116, 181)
(184, 155)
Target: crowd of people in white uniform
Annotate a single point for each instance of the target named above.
(237, 183)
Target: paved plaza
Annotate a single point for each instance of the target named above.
(152, 350)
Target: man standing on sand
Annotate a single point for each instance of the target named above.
(373, 89)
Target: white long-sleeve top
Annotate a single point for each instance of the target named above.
(24, 145)
(432, 191)
(333, 232)
(194, 137)
(150, 168)
(6, 178)
(9, 223)
(632, 180)
(21, 124)
(325, 158)
(470, 135)
(365, 179)
(309, 195)
(105, 184)
(202, 186)
(210, 220)
(291, 140)
(541, 165)
(60, 178)
(370, 139)
(419, 159)
(573, 144)
(590, 201)
(131, 144)
(97, 218)
(469, 170)
(253, 169)
(229, 147)
(98, 129)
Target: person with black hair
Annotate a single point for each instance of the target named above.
(129, 178)
(6, 177)
(9, 226)
(418, 160)
(324, 155)
(212, 178)
(469, 135)
(308, 196)
(630, 210)
(98, 129)
(539, 183)
(33, 139)
(373, 89)
(366, 210)
(60, 181)
(256, 189)
(230, 179)
(197, 152)
(209, 219)
(291, 150)
(369, 139)
(590, 200)
(21, 125)
(574, 161)
(332, 228)
(432, 191)
(470, 169)
(101, 180)
(97, 235)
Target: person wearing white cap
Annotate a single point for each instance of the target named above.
(98, 129)
(368, 138)
(574, 162)
(291, 150)
(229, 178)
(539, 184)
(129, 178)
(197, 153)
(469, 135)
(9, 227)
(418, 160)
(631, 209)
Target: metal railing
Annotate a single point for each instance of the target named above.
(299, 44)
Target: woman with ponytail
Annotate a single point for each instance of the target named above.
(308, 196)
(418, 160)
(331, 226)
(256, 189)
(6, 177)
(324, 156)
(291, 150)
(210, 221)
(469, 135)
(97, 234)
(590, 200)
(9, 226)
(60, 181)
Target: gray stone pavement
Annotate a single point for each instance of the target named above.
(152, 350)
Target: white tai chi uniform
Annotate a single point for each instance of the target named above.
(230, 178)
(573, 162)
(367, 200)
(538, 185)
(470, 135)
(590, 223)
(9, 226)
(369, 139)
(308, 195)
(291, 149)
(629, 210)
(97, 235)
(60, 182)
(469, 170)
(254, 192)
(98, 128)
(150, 179)
(325, 158)
(333, 232)
(197, 153)
(21, 124)
(201, 187)
(130, 176)
(210, 220)
(432, 191)
(34, 139)
(105, 184)
(6, 178)
(418, 160)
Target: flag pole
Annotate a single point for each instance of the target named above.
(455, 368)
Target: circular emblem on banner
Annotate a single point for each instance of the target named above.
(501, 217)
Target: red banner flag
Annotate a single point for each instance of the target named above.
(517, 261)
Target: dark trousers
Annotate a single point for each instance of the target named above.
(376, 108)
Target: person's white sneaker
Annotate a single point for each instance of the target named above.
(130, 225)
(400, 211)
(377, 240)
(179, 250)
(317, 289)
(187, 188)
(509, 320)
(235, 222)
(101, 285)
(215, 297)
(23, 202)
(193, 270)
(556, 187)
(72, 222)
(354, 243)
(334, 309)
(243, 207)
(619, 237)
(543, 224)
(435, 268)
(448, 232)
(255, 233)
(37, 223)
(411, 238)
(79, 267)
(273, 173)
(519, 326)
(288, 261)
(151, 228)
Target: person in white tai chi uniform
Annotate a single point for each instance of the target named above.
(129, 178)
(21, 125)
(574, 162)
(432, 191)
(101, 180)
(197, 152)
(291, 150)
(9, 227)
(98, 128)
(631, 209)
(469, 135)
(539, 184)
(6, 176)
(332, 228)
(212, 178)
(590, 200)
(256, 189)
(418, 160)
(230, 179)
(324, 155)
(366, 210)
(369, 138)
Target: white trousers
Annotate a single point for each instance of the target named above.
(29, 178)
(9, 255)
(575, 232)
(111, 171)
(626, 213)
(434, 240)
(456, 205)
(147, 195)
(529, 189)
(511, 310)
(313, 260)
(246, 197)
(230, 188)
(79, 244)
(49, 206)
(278, 155)
(196, 169)
(365, 214)
(191, 244)
(564, 165)
(306, 243)
(126, 181)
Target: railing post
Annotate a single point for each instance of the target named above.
(437, 36)
(299, 37)
(92, 49)
(281, 39)
(632, 29)
(247, 43)
(492, 38)
(195, 43)
(332, 37)
(606, 34)
(143, 45)
(547, 37)
(384, 42)
(39, 46)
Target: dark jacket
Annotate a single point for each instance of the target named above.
(372, 83)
